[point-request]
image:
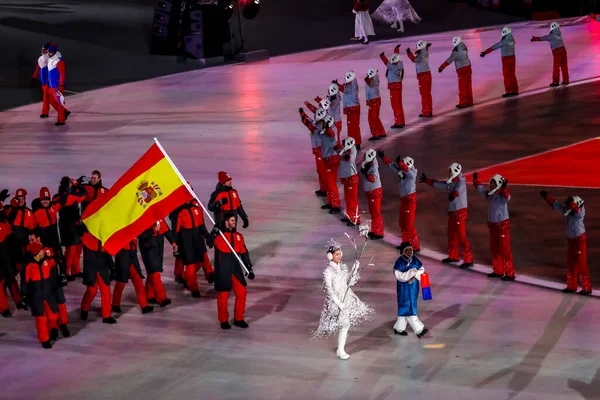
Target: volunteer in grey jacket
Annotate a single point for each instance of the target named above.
(421, 60)
(509, 62)
(460, 58)
(395, 74)
(335, 108)
(574, 211)
(374, 104)
(456, 188)
(314, 128)
(372, 186)
(351, 106)
(499, 226)
(559, 53)
(407, 172)
(349, 177)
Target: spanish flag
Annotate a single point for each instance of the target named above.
(146, 193)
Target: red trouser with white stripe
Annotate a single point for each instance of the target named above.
(240, 302)
(353, 122)
(73, 259)
(396, 101)
(45, 104)
(351, 198)
(155, 288)
(457, 234)
(502, 259)
(374, 198)
(91, 292)
(424, 79)
(321, 169)
(509, 65)
(45, 322)
(577, 264)
(138, 285)
(54, 100)
(560, 63)
(408, 209)
(465, 86)
(375, 124)
(333, 195)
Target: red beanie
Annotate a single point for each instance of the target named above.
(21, 193)
(224, 177)
(34, 248)
(44, 193)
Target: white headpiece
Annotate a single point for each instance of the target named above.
(456, 40)
(578, 200)
(554, 25)
(350, 76)
(454, 170)
(498, 180)
(325, 104)
(421, 44)
(320, 114)
(333, 89)
(506, 30)
(329, 120)
(410, 163)
(332, 247)
(347, 144)
(395, 58)
(371, 72)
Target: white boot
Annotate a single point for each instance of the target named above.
(394, 25)
(343, 335)
(400, 26)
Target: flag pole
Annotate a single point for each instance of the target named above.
(200, 202)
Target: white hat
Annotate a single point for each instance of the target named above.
(325, 104)
(554, 25)
(320, 114)
(578, 200)
(370, 155)
(421, 44)
(371, 72)
(395, 58)
(410, 163)
(333, 89)
(347, 144)
(329, 120)
(350, 76)
(506, 30)
(456, 40)
(498, 180)
(454, 170)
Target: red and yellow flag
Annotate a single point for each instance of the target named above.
(146, 193)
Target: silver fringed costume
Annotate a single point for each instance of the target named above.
(393, 11)
(336, 281)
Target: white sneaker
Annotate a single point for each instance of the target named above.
(394, 25)
(342, 355)
(400, 30)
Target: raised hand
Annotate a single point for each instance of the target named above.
(543, 193)
(475, 176)
(423, 178)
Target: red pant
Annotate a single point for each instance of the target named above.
(375, 124)
(321, 169)
(396, 101)
(425, 90)
(353, 122)
(338, 127)
(374, 197)
(138, 285)
(155, 288)
(13, 288)
(240, 302)
(73, 259)
(457, 234)
(63, 317)
(560, 63)
(408, 209)
(43, 323)
(333, 195)
(465, 86)
(206, 266)
(577, 264)
(54, 100)
(45, 104)
(509, 65)
(3, 299)
(351, 198)
(91, 292)
(502, 259)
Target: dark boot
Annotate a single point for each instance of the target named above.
(84, 315)
(449, 260)
(345, 220)
(21, 305)
(6, 313)
(117, 309)
(494, 275)
(326, 207)
(43, 115)
(211, 278)
(240, 324)
(59, 123)
(153, 300)
(196, 294)
(178, 279)
(466, 265)
(64, 329)
(47, 345)
(401, 333)
(424, 332)
(147, 309)
(53, 334)
(554, 85)
(165, 303)
(396, 126)
(508, 278)
(335, 210)
(584, 292)
(67, 113)
(109, 320)
(225, 325)
(567, 290)
(70, 278)
(320, 193)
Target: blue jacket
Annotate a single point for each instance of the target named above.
(408, 293)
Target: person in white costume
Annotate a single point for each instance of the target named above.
(342, 308)
(363, 26)
(395, 12)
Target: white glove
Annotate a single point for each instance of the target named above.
(354, 12)
(420, 272)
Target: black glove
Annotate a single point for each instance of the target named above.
(215, 231)
(176, 253)
(423, 178)
(62, 280)
(301, 110)
(82, 179)
(544, 194)
(4, 195)
(25, 300)
(223, 201)
(382, 54)
(450, 196)
(408, 51)
(251, 274)
(34, 83)
(246, 223)
(482, 54)
(335, 81)
(568, 201)
(440, 69)
(504, 184)
(532, 39)
(364, 170)
(475, 176)
(380, 154)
